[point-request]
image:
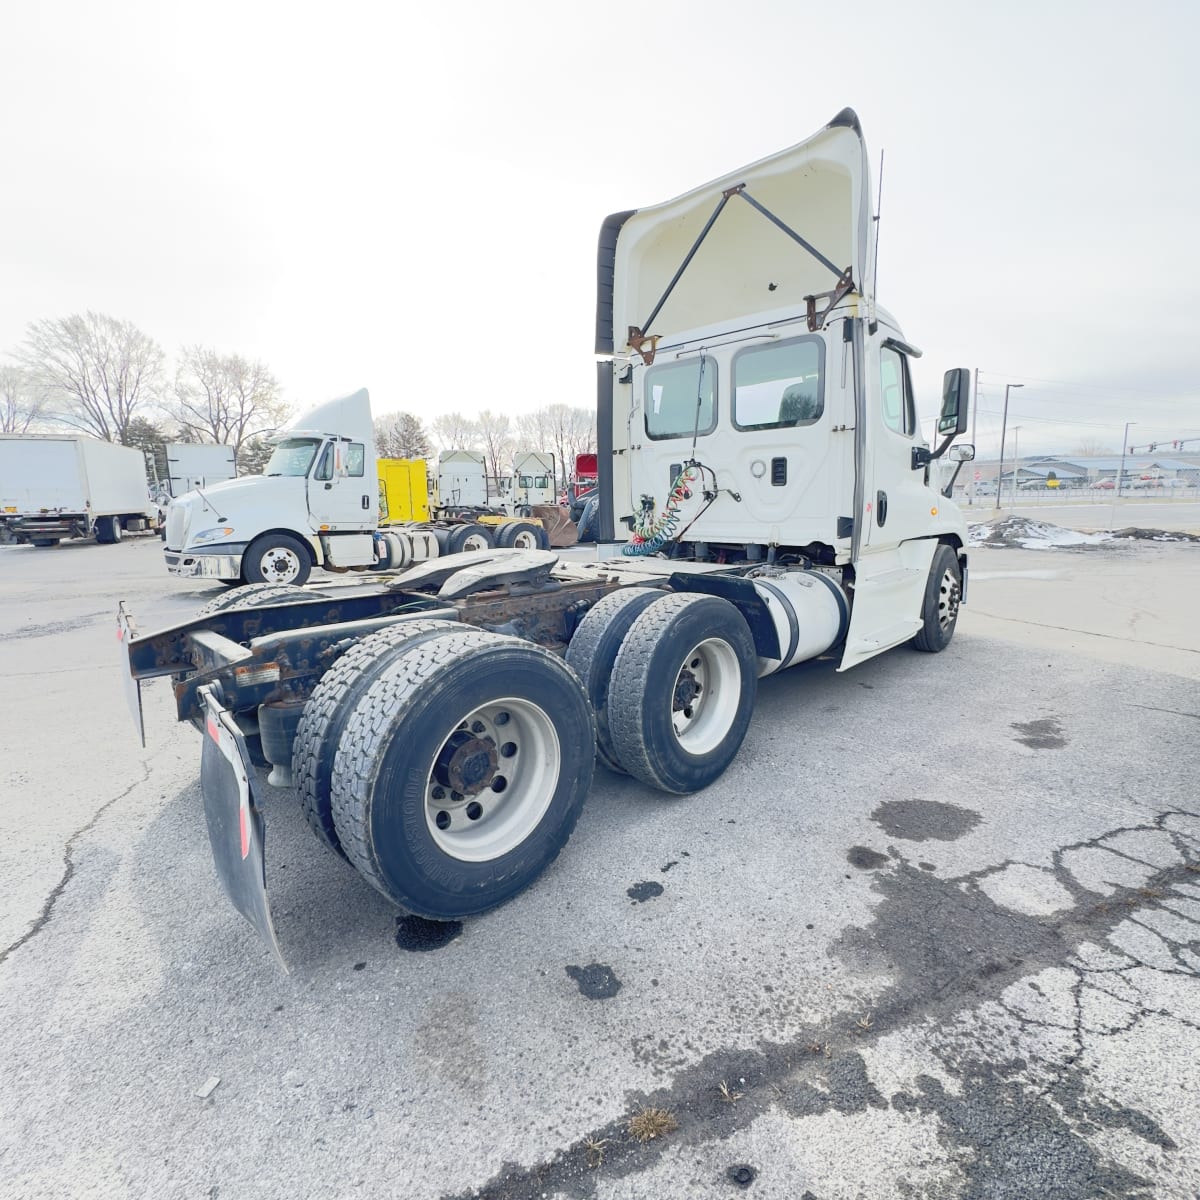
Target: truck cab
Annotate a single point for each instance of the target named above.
(315, 504)
(758, 403)
(532, 482)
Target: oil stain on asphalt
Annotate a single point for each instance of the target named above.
(646, 890)
(596, 981)
(1046, 733)
(924, 820)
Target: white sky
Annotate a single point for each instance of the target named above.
(407, 197)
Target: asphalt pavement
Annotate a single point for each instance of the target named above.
(936, 933)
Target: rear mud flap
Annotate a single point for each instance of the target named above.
(235, 823)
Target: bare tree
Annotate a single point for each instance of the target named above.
(1091, 447)
(225, 398)
(21, 400)
(401, 435)
(564, 429)
(455, 431)
(535, 430)
(96, 372)
(495, 436)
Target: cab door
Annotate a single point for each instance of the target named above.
(340, 496)
(895, 551)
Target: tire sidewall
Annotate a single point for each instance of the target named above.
(677, 769)
(405, 854)
(933, 636)
(329, 737)
(597, 673)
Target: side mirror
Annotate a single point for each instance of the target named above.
(963, 453)
(956, 399)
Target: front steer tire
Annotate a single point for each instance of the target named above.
(943, 594)
(277, 558)
(682, 692)
(501, 718)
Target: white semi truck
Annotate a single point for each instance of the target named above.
(531, 482)
(317, 504)
(53, 488)
(766, 497)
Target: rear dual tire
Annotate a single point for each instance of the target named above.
(460, 771)
(682, 692)
(331, 703)
(108, 530)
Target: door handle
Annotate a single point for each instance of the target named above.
(366, 502)
(881, 509)
(328, 486)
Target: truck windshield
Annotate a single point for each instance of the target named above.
(293, 456)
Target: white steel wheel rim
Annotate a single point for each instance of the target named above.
(475, 541)
(502, 792)
(280, 564)
(948, 599)
(704, 699)
(525, 539)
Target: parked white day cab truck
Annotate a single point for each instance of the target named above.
(766, 498)
(318, 503)
(53, 488)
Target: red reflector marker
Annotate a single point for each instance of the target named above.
(244, 822)
(214, 731)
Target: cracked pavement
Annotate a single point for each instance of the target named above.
(936, 933)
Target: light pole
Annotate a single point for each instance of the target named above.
(1003, 431)
(1124, 447)
(1017, 461)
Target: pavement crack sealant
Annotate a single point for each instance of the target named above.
(951, 953)
(47, 910)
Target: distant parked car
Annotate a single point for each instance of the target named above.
(985, 487)
(1177, 483)
(1105, 485)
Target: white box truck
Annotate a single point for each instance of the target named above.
(766, 497)
(53, 488)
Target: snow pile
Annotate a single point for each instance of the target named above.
(1156, 535)
(1024, 534)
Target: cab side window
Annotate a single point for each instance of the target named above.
(324, 467)
(356, 455)
(895, 390)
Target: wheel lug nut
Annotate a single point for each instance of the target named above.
(478, 727)
(439, 793)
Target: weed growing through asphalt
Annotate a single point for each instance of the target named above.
(651, 1123)
(728, 1094)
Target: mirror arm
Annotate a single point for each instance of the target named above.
(948, 490)
(943, 447)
